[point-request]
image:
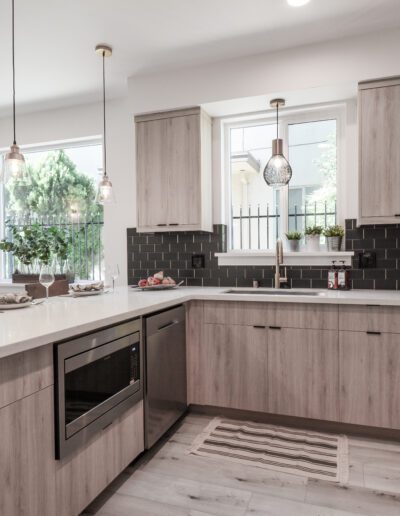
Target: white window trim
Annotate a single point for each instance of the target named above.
(287, 116)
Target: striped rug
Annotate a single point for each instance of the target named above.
(289, 450)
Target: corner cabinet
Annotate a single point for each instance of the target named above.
(173, 171)
(379, 151)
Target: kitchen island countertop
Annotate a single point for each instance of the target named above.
(65, 317)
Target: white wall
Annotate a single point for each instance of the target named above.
(82, 122)
(309, 73)
(323, 64)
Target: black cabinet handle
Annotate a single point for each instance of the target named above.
(275, 328)
(161, 224)
(259, 327)
(374, 333)
(397, 214)
(173, 224)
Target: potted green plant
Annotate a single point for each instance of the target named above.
(33, 245)
(334, 235)
(312, 237)
(294, 238)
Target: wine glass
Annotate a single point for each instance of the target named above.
(46, 277)
(113, 273)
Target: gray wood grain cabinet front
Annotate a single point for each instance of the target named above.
(173, 171)
(323, 362)
(379, 151)
(32, 482)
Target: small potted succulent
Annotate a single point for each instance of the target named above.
(312, 237)
(334, 235)
(294, 238)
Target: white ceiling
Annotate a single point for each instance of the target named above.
(55, 39)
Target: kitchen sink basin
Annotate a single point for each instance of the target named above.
(277, 292)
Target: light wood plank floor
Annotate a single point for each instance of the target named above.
(169, 482)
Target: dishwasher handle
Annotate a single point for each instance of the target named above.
(168, 325)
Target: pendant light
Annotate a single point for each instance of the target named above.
(277, 172)
(105, 193)
(14, 162)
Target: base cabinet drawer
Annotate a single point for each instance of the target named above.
(229, 368)
(287, 315)
(370, 379)
(369, 318)
(303, 373)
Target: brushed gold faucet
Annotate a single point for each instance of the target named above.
(278, 263)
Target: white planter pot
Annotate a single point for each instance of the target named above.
(294, 245)
(312, 243)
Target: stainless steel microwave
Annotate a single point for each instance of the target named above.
(98, 376)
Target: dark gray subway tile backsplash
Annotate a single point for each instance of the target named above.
(172, 252)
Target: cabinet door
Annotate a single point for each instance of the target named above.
(183, 162)
(379, 152)
(370, 379)
(229, 367)
(152, 173)
(27, 472)
(303, 373)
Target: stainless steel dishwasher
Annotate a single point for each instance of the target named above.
(165, 354)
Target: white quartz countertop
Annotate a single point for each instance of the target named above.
(64, 317)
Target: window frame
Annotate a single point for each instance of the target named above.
(38, 147)
(287, 117)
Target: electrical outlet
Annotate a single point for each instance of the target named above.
(367, 260)
(198, 261)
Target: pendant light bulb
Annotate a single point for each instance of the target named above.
(277, 172)
(14, 166)
(105, 192)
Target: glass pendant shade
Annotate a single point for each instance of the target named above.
(105, 192)
(277, 171)
(14, 164)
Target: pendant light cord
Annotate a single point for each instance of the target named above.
(104, 116)
(277, 132)
(13, 71)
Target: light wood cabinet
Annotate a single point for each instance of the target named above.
(370, 379)
(27, 472)
(369, 318)
(33, 483)
(379, 151)
(288, 315)
(303, 373)
(229, 368)
(173, 170)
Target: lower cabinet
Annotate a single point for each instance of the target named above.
(228, 367)
(303, 373)
(27, 465)
(33, 483)
(370, 378)
(283, 371)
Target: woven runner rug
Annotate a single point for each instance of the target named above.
(299, 452)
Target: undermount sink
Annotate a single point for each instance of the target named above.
(273, 292)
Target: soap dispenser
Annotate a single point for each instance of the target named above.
(333, 277)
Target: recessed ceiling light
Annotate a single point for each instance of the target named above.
(297, 3)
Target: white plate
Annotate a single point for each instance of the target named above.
(15, 306)
(88, 293)
(159, 287)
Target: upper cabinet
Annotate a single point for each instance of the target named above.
(379, 151)
(173, 170)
